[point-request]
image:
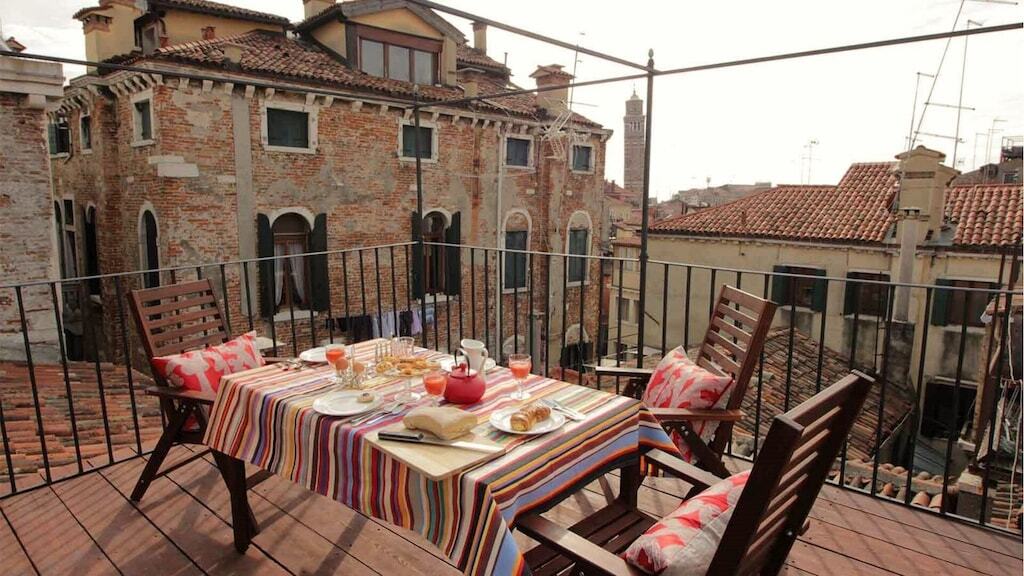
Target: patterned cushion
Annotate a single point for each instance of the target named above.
(201, 370)
(684, 542)
(679, 383)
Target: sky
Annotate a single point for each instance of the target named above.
(738, 125)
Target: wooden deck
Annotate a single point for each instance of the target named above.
(88, 526)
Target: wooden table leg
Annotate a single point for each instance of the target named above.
(242, 520)
(629, 483)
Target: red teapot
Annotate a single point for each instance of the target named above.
(464, 386)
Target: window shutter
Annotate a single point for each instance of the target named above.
(319, 281)
(51, 133)
(780, 285)
(265, 248)
(850, 296)
(819, 298)
(453, 235)
(940, 303)
(416, 266)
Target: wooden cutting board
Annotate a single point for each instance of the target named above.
(434, 462)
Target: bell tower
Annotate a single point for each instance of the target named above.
(634, 129)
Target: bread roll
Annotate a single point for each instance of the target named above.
(525, 418)
(444, 422)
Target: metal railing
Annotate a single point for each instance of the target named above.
(71, 395)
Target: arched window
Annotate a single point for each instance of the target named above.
(291, 281)
(578, 243)
(149, 253)
(517, 237)
(578, 348)
(434, 227)
(436, 269)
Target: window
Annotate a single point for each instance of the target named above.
(866, 299)
(149, 254)
(633, 264)
(389, 54)
(92, 259)
(85, 132)
(60, 137)
(1011, 177)
(515, 263)
(426, 142)
(802, 292)
(291, 282)
(434, 256)
(287, 128)
(64, 212)
(629, 310)
(517, 151)
(143, 121)
(959, 307)
(582, 160)
(938, 420)
(578, 244)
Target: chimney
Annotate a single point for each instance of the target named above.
(313, 7)
(556, 101)
(920, 209)
(480, 36)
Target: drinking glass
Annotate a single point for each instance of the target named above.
(520, 365)
(405, 346)
(435, 382)
(336, 357)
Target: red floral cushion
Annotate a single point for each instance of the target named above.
(684, 542)
(679, 383)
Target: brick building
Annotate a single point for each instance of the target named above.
(255, 160)
(29, 251)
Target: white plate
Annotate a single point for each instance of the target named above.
(448, 363)
(314, 355)
(345, 403)
(500, 420)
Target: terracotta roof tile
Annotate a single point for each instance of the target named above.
(208, 7)
(469, 55)
(858, 209)
(985, 214)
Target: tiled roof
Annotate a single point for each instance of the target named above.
(857, 210)
(469, 55)
(269, 53)
(803, 383)
(985, 214)
(218, 9)
(20, 416)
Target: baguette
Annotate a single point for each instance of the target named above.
(527, 417)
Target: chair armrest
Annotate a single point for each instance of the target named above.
(171, 393)
(692, 415)
(574, 546)
(623, 371)
(701, 479)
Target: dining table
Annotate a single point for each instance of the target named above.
(265, 417)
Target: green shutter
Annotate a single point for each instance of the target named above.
(264, 249)
(819, 298)
(320, 283)
(850, 296)
(453, 261)
(780, 285)
(416, 266)
(940, 303)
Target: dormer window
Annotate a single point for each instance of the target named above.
(388, 54)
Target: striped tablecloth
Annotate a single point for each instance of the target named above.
(265, 417)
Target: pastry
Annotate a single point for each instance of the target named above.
(525, 418)
(444, 422)
(365, 398)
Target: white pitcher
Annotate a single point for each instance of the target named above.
(475, 353)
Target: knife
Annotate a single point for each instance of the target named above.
(572, 413)
(416, 437)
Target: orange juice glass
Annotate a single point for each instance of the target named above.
(435, 383)
(520, 365)
(334, 354)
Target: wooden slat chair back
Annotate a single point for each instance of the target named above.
(171, 320)
(786, 478)
(732, 345)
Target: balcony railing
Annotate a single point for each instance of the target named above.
(72, 370)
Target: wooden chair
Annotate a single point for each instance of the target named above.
(732, 345)
(171, 320)
(797, 457)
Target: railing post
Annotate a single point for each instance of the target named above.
(644, 219)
